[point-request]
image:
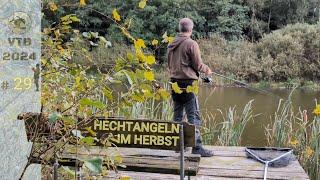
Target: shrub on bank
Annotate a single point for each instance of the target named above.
(289, 53)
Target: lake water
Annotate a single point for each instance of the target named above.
(211, 99)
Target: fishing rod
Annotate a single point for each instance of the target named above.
(208, 79)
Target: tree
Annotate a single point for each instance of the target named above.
(225, 17)
(71, 93)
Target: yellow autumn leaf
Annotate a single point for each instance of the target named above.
(57, 33)
(105, 114)
(294, 142)
(116, 15)
(141, 56)
(82, 3)
(142, 4)
(124, 177)
(149, 75)
(139, 43)
(52, 6)
(194, 88)
(78, 79)
(126, 33)
(93, 133)
(130, 56)
(157, 97)
(316, 111)
(176, 88)
(147, 93)
(189, 89)
(118, 158)
(170, 39)
(138, 97)
(60, 48)
(155, 42)
(150, 59)
(308, 152)
(165, 35)
(167, 39)
(46, 31)
(164, 93)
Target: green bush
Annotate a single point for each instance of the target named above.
(289, 53)
(293, 52)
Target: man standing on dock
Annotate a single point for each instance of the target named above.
(185, 63)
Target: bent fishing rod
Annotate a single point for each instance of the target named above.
(208, 79)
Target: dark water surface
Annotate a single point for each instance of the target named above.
(265, 104)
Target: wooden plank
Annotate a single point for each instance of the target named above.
(142, 176)
(228, 163)
(159, 165)
(226, 148)
(251, 174)
(130, 152)
(232, 163)
(144, 160)
(225, 161)
(158, 176)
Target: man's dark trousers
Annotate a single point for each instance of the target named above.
(187, 102)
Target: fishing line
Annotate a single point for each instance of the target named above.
(242, 84)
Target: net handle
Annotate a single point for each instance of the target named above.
(255, 156)
(283, 155)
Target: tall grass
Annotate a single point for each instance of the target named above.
(233, 125)
(298, 132)
(279, 132)
(230, 130)
(151, 109)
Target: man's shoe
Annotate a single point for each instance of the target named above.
(203, 152)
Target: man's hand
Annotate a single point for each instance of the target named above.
(209, 72)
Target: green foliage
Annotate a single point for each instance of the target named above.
(53, 117)
(233, 19)
(225, 17)
(94, 164)
(289, 53)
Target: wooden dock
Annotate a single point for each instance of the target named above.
(228, 163)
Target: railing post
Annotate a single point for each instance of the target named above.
(55, 169)
(181, 152)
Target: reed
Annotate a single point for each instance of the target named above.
(209, 128)
(150, 109)
(296, 130)
(233, 125)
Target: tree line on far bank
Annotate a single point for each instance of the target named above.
(233, 19)
(258, 42)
